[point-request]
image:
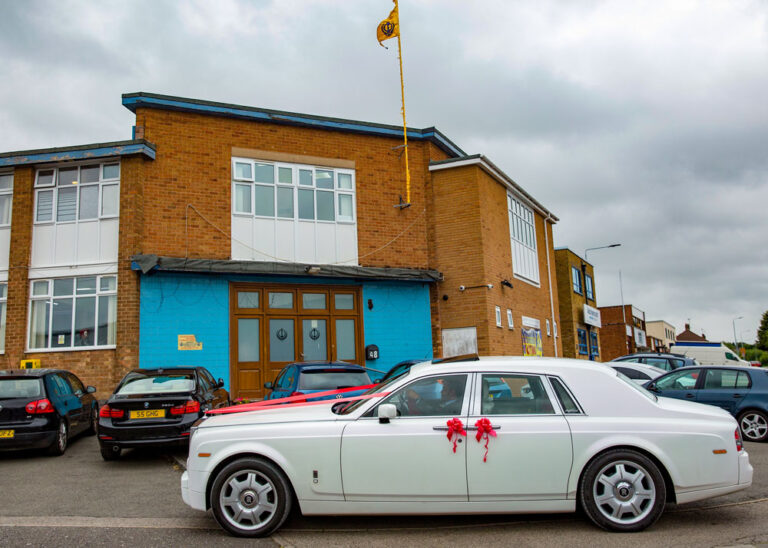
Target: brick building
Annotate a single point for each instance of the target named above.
(241, 239)
(661, 335)
(580, 319)
(623, 331)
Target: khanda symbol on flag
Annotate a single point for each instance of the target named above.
(389, 27)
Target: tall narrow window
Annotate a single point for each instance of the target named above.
(588, 287)
(576, 276)
(3, 297)
(6, 198)
(522, 231)
(582, 341)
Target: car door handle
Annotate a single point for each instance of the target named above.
(473, 428)
(690, 396)
(737, 395)
(469, 428)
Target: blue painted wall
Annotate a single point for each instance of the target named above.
(192, 304)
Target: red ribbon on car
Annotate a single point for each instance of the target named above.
(455, 429)
(484, 430)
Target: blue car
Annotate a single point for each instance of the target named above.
(741, 391)
(306, 378)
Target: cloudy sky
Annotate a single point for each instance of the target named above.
(642, 123)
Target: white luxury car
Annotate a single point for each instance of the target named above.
(564, 433)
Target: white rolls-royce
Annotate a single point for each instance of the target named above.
(488, 435)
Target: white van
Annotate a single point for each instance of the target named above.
(707, 353)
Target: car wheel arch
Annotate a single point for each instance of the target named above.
(244, 455)
(669, 484)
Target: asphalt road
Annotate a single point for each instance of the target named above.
(78, 499)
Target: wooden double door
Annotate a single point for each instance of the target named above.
(274, 324)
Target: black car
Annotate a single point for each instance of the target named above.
(43, 409)
(665, 361)
(399, 368)
(156, 407)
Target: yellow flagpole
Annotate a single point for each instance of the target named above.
(402, 98)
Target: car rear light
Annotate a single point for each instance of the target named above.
(298, 394)
(40, 406)
(192, 406)
(737, 436)
(111, 413)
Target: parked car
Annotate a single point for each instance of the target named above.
(708, 353)
(44, 409)
(306, 378)
(399, 368)
(156, 407)
(667, 362)
(742, 391)
(755, 363)
(587, 437)
(638, 372)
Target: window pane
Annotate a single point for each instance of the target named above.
(345, 339)
(306, 204)
(313, 301)
(44, 206)
(285, 175)
(243, 198)
(514, 395)
(6, 182)
(110, 200)
(3, 291)
(325, 206)
(243, 171)
(108, 283)
(67, 204)
(344, 301)
(89, 202)
(85, 321)
(112, 171)
(89, 174)
(86, 286)
(314, 340)
(435, 396)
(280, 300)
(265, 200)
(61, 328)
(68, 176)
(107, 320)
(345, 180)
(567, 403)
(45, 178)
(39, 288)
(285, 202)
(324, 178)
(64, 286)
(345, 207)
(305, 177)
(5, 209)
(248, 340)
(264, 173)
(38, 325)
(281, 341)
(2, 327)
(247, 299)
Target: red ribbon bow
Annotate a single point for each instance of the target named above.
(455, 429)
(484, 430)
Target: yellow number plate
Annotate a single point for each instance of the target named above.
(6, 433)
(148, 414)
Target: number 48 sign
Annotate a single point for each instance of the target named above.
(371, 352)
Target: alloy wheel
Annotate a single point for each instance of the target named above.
(754, 426)
(624, 492)
(248, 499)
(61, 437)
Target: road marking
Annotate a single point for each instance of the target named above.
(106, 523)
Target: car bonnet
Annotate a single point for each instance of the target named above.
(274, 414)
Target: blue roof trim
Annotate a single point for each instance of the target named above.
(697, 343)
(86, 153)
(133, 101)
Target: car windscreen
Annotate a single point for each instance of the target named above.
(635, 386)
(20, 388)
(332, 379)
(137, 383)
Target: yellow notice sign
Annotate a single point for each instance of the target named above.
(189, 342)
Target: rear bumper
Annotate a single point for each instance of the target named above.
(745, 481)
(28, 440)
(152, 442)
(147, 434)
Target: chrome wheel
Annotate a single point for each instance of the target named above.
(248, 499)
(624, 492)
(754, 426)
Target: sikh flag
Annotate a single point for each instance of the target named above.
(389, 27)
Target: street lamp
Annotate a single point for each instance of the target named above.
(584, 277)
(586, 251)
(736, 342)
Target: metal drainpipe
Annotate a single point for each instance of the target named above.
(549, 280)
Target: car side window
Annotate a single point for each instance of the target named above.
(77, 385)
(678, 363)
(567, 402)
(661, 363)
(726, 379)
(434, 396)
(514, 395)
(205, 385)
(285, 380)
(679, 380)
(210, 379)
(632, 374)
(60, 385)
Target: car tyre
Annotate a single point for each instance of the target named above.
(622, 490)
(59, 446)
(110, 452)
(94, 426)
(251, 497)
(754, 425)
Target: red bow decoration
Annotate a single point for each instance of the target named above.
(455, 429)
(484, 429)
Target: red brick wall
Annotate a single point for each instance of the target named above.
(615, 341)
(572, 304)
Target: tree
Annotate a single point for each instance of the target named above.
(762, 333)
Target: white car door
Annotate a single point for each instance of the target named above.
(531, 455)
(409, 458)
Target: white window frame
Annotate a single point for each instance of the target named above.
(498, 316)
(8, 192)
(522, 234)
(49, 298)
(53, 186)
(295, 173)
(3, 314)
(510, 320)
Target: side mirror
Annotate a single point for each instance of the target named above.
(268, 385)
(90, 389)
(386, 411)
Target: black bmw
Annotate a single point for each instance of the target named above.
(156, 407)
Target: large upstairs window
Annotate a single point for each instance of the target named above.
(77, 193)
(3, 296)
(522, 231)
(6, 198)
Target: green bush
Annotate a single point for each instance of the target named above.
(755, 354)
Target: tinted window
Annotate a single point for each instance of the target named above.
(137, 383)
(661, 363)
(514, 395)
(680, 363)
(725, 379)
(286, 379)
(60, 385)
(332, 379)
(564, 397)
(77, 385)
(632, 374)
(209, 378)
(20, 388)
(433, 396)
(679, 380)
(205, 384)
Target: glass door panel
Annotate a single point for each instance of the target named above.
(248, 340)
(314, 340)
(282, 343)
(345, 340)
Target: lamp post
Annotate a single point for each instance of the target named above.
(586, 251)
(736, 342)
(594, 291)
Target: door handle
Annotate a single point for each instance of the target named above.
(690, 396)
(737, 395)
(473, 428)
(468, 428)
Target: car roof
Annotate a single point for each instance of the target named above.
(322, 365)
(29, 372)
(162, 370)
(654, 355)
(532, 363)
